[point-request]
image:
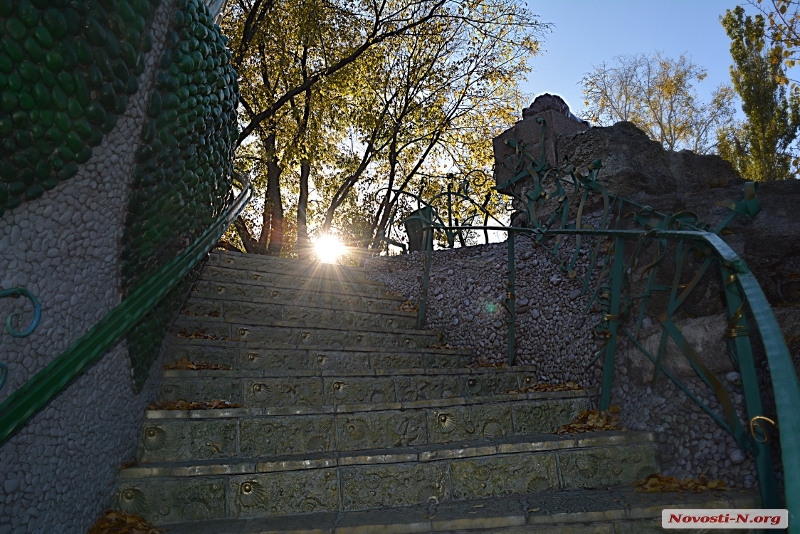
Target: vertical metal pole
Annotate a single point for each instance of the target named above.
(511, 301)
(427, 242)
(739, 340)
(613, 320)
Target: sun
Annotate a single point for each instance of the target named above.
(329, 249)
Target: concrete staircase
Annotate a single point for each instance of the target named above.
(352, 421)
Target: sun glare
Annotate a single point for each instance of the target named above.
(329, 249)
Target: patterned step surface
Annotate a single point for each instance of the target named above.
(504, 468)
(261, 388)
(578, 511)
(248, 432)
(250, 355)
(346, 407)
(287, 334)
(276, 312)
(267, 294)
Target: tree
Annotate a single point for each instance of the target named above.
(398, 77)
(784, 33)
(657, 94)
(760, 148)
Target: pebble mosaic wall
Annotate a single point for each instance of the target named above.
(58, 471)
(554, 334)
(183, 170)
(67, 70)
(65, 244)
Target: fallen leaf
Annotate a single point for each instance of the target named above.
(539, 388)
(657, 483)
(121, 523)
(184, 364)
(592, 421)
(215, 404)
(199, 334)
(409, 306)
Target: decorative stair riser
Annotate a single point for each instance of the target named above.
(375, 485)
(247, 433)
(262, 293)
(275, 313)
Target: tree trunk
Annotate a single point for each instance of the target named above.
(273, 203)
(251, 245)
(303, 247)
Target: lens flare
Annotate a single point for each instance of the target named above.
(329, 249)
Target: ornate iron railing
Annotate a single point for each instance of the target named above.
(610, 290)
(37, 392)
(13, 293)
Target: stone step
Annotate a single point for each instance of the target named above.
(260, 356)
(455, 474)
(618, 510)
(275, 264)
(300, 275)
(287, 334)
(174, 435)
(249, 291)
(255, 389)
(278, 312)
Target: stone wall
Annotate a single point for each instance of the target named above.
(58, 471)
(554, 334)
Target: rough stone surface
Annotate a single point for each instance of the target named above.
(59, 469)
(468, 289)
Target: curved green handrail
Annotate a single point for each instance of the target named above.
(37, 392)
(784, 378)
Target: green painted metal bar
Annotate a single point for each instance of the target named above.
(675, 380)
(613, 321)
(39, 390)
(784, 378)
(427, 241)
(739, 341)
(511, 300)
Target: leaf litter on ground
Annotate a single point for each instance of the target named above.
(539, 388)
(657, 483)
(593, 421)
(185, 364)
(215, 404)
(121, 523)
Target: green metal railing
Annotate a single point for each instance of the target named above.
(39, 390)
(610, 291)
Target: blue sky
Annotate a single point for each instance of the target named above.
(589, 32)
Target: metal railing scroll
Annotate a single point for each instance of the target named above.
(13, 293)
(37, 392)
(620, 284)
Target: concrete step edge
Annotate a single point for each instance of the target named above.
(229, 413)
(395, 312)
(426, 453)
(183, 319)
(257, 345)
(309, 272)
(244, 373)
(218, 256)
(377, 292)
(624, 511)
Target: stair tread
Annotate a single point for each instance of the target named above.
(533, 512)
(394, 312)
(220, 257)
(371, 291)
(523, 443)
(184, 319)
(414, 371)
(365, 407)
(301, 271)
(175, 340)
